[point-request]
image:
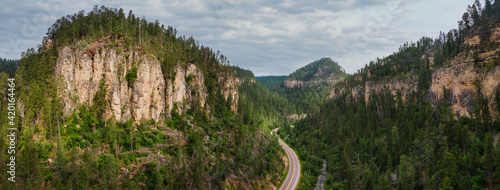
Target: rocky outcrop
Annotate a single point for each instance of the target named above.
(81, 74)
(406, 87)
(458, 79)
(293, 83)
(230, 89)
(294, 117)
(289, 83)
(187, 87)
(149, 97)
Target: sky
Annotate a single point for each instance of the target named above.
(269, 37)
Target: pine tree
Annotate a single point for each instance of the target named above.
(488, 8)
(476, 19)
(489, 152)
(496, 8)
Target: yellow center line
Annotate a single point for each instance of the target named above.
(293, 168)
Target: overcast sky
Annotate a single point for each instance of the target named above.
(267, 37)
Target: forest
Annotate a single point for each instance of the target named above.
(317, 77)
(8, 66)
(84, 150)
(391, 142)
(323, 68)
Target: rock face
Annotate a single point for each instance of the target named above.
(149, 97)
(187, 86)
(294, 117)
(293, 83)
(364, 91)
(459, 80)
(457, 77)
(289, 83)
(230, 89)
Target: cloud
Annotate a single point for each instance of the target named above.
(268, 37)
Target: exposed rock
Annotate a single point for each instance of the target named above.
(293, 83)
(149, 97)
(295, 117)
(459, 79)
(458, 76)
(364, 91)
(81, 75)
(230, 87)
(188, 87)
(297, 83)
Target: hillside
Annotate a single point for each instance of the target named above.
(425, 117)
(320, 71)
(110, 101)
(273, 83)
(306, 88)
(261, 100)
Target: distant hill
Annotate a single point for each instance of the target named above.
(306, 88)
(322, 70)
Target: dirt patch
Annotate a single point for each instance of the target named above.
(93, 48)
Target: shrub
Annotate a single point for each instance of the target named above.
(131, 75)
(189, 79)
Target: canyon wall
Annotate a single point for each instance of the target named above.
(149, 97)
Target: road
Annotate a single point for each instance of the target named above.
(292, 179)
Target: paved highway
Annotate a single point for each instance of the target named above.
(292, 179)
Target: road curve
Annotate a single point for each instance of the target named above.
(292, 179)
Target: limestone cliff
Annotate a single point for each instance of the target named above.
(459, 74)
(406, 87)
(290, 83)
(149, 97)
(230, 89)
(458, 77)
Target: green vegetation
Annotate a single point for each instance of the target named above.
(320, 69)
(273, 83)
(366, 145)
(242, 73)
(389, 142)
(396, 142)
(206, 146)
(317, 76)
(412, 58)
(306, 99)
(131, 75)
(8, 66)
(124, 31)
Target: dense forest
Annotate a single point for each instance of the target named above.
(8, 66)
(273, 83)
(84, 150)
(391, 142)
(384, 146)
(324, 68)
(317, 77)
(264, 102)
